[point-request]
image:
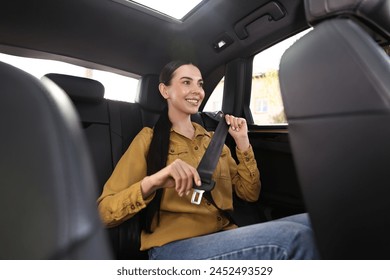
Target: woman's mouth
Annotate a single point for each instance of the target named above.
(194, 102)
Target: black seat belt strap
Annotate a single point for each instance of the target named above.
(209, 161)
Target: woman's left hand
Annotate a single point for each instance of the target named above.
(239, 131)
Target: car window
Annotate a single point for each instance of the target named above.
(214, 103)
(387, 49)
(117, 87)
(266, 102)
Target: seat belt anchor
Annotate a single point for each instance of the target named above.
(197, 196)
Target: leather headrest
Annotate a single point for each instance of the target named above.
(78, 88)
(149, 96)
(374, 13)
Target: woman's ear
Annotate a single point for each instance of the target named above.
(163, 90)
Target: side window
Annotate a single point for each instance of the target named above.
(214, 103)
(117, 87)
(266, 102)
(387, 49)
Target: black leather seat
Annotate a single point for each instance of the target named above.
(48, 206)
(335, 84)
(87, 96)
(109, 126)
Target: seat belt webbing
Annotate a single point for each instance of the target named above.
(209, 161)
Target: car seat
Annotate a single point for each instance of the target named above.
(336, 91)
(48, 206)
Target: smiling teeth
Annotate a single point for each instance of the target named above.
(193, 101)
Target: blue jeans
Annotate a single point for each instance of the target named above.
(286, 238)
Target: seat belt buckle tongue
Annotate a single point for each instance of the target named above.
(197, 196)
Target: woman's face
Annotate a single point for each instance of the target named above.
(185, 92)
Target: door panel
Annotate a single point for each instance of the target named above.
(280, 195)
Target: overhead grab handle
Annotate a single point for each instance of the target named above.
(273, 10)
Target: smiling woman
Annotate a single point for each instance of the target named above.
(231, 43)
(164, 161)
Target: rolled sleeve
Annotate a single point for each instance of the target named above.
(122, 197)
(247, 158)
(123, 205)
(247, 181)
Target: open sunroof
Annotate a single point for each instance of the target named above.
(170, 8)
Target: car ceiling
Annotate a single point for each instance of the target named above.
(108, 35)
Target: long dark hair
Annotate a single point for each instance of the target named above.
(158, 149)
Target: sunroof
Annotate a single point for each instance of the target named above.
(172, 8)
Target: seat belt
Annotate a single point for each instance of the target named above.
(209, 161)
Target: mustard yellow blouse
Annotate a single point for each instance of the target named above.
(179, 219)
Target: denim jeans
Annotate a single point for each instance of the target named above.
(286, 238)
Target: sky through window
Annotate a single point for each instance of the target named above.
(173, 8)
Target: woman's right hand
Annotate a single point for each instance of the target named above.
(179, 175)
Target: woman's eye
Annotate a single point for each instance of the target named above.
(201, 85)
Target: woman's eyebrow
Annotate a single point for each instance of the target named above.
(188, 78)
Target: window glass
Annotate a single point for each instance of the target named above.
(266, 102)
(117, 87)
(166, 6)
(387, 49)
(214, 103)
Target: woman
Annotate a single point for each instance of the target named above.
(157, 173)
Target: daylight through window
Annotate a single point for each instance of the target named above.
(117, 87)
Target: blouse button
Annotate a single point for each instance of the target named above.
(172, 150)
(219, 218)
(132, 207)
(196, 148)
(138, 204)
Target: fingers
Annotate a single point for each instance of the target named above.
(236, 124)
(184, 176)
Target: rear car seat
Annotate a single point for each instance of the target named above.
(47, 181)
(109, 126)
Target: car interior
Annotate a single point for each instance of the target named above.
(325, 153)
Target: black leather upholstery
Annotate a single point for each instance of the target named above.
(150, 99)
(374, 13)
(78, 88)
(336, 91)
(48, 207)
(88, 97)
(109, 126)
